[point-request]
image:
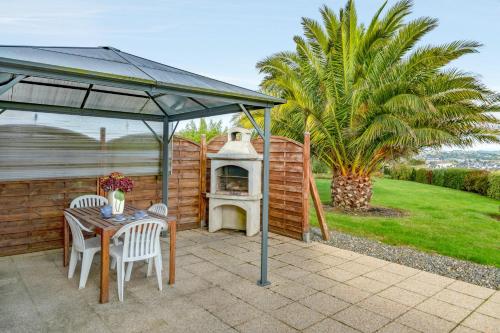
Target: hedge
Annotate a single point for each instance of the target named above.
(494, 185)
(477, 181)
(470, 180)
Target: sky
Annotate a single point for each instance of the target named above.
(224, 39)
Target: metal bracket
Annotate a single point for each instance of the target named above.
(252, 120)
(157, 104)
(12, 82)
(173, 132)
(87, 93)
(153, 131)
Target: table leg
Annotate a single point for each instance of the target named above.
(66, 243)
(171, 265)
(104, 297)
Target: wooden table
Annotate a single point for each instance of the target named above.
(91, 217)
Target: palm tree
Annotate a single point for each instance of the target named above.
(369, 94)
(210, 130)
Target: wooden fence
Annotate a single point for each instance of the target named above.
(31, 210)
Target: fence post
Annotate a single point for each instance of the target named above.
(306, 164)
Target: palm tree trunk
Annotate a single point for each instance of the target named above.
(351, 192)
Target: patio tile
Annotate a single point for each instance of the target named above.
(402, 296)
(464, 329)
(297, 316)
(265, 299)
(250, 246)
(248, 256)
(435, 279)
(191, 285)
(384, 276)
(264, 324)
(330, 260)
(367, 284)
(246, 270)
(187, 259)
(355, 267)
(459, 299)
(311, 265)
(220, 277)
(444, 310)
(200, 268)
(419, 287)
(292, 290)
(237, 313)
(383, 306)
(361, 319)
(371, 261)
(272, 264)
(490, 308)
(329, 325)
(482, 323)
(307, 253)
(471, 289)
(496, 297)
(394, 327)
(400, 269)
(325, 304)
(337, 274)
(291, 272)
(346, 254)
(213, 299)
(316, 281)
(347, 293)
(289, 258)
(425, 322)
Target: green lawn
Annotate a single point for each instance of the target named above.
(441, 220)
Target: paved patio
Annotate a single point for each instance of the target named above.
(315, 288)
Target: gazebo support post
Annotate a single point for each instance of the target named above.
(165, 158)
(265, 199)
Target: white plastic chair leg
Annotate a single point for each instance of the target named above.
(150, 267)
(86, 263)
(130, 265)
(158, 268)
(120, 267)
(72, 263)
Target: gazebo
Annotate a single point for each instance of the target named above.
(106, 82)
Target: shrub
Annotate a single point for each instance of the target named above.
(494, 185)
(423, 175)
(455, 177)
(438, 177)
(477, 181)
(403, 172)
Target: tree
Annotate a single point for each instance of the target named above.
(211, 130)
(369, 94)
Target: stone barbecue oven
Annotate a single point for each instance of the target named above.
(235, 185)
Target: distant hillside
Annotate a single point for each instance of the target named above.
(479, 159)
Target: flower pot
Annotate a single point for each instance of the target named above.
(116, 199)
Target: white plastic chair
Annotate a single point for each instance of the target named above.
(159, 208)
(141, 241)
(89, 200)
(87, 247)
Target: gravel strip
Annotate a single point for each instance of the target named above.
(481, 275)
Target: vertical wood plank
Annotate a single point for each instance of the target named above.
(319, 208)
(104, 296)
(306, 165)
(171, 266)
(203, 179)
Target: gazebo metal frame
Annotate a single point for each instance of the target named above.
(105, 78)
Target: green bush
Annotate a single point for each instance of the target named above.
(476, 181)
(438, 177)
(455, 177)
(494, 185)
(319, 166)
(403, 172)
(423, 176)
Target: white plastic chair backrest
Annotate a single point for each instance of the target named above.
(89, 200)
(141, 239)
(159, 208)
(76, 231)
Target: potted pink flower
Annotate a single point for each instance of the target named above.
(116, 184)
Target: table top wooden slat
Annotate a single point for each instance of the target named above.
(91, 216)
